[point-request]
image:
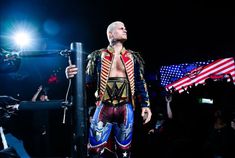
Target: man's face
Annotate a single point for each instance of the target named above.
(119, 33)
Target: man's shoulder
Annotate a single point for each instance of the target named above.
(95, 53)
(132, 51)
(137, 55)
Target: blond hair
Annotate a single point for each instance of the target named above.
(111, 27)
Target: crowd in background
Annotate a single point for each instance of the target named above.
(184, 126)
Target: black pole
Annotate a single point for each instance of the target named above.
(79, 102)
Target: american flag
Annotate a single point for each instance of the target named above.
(179, 77)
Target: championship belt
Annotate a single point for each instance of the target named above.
(117, 91)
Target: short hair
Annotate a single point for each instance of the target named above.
(111, 27)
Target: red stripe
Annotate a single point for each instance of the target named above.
(206, 74)
(209, 66)
(221, 66)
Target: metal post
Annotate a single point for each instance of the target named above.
(79, 102)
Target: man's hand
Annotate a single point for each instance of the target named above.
(146, 114)
(151, 131)
(40, 88)
(168, 98)
(70, 71)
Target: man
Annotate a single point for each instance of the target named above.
(118, 74)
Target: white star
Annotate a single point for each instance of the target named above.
(124, 154)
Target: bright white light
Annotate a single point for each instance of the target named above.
(22, 39)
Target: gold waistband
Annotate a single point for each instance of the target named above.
(117, 91)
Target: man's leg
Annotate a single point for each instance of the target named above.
(123, 130)
(99, 133)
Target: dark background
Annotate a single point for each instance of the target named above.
(165, 32)
(174, 31)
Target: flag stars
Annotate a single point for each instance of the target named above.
(174, 72)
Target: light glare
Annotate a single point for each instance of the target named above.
(22, 39)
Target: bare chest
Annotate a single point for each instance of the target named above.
(117, 68)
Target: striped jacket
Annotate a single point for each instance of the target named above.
(99, 66)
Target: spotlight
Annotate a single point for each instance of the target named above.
(22, 39)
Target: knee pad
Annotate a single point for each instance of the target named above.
(123, 136)
(99, 133)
